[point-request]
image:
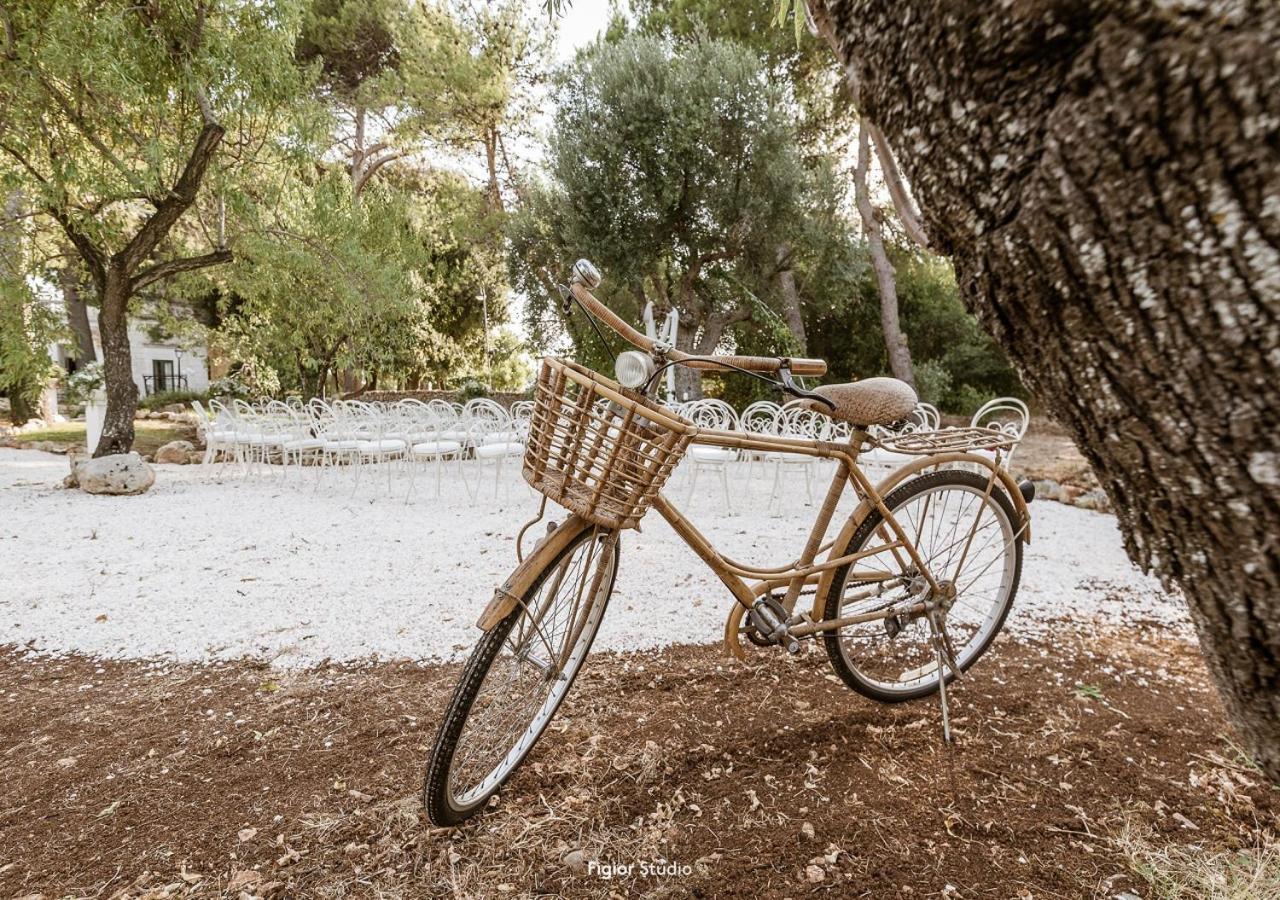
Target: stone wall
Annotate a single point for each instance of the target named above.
(506, 398)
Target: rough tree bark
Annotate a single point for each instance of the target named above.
(895, 342)
(77, 310)
(791, 299)
(1104, 176)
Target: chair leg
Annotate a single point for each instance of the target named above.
(724, 481)
(693, 483)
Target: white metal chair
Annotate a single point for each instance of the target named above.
(494, 441)
(720, 416)
(796, 420)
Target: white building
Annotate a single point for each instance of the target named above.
(160, 362)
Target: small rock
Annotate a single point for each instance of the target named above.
(195, 457)
(175, 453)
(119, 473)
(1069, 493)
(246, 834)
(67, 762)
(1047, 489)
(807, 830)
(814, 874)
(1094, 499)
(575, 859)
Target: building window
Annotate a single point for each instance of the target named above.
(162, 378)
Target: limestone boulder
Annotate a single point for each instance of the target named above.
(120, 473)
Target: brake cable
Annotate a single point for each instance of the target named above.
(566, 297)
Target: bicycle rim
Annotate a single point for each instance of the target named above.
(541, 647)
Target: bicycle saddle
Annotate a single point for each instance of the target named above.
(871, 401)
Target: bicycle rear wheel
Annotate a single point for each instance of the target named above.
(969, 537)
(517, 677)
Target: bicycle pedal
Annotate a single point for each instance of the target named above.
(769, 618)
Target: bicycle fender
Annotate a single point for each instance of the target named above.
(522, 577)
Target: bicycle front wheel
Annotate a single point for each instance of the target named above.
(517, 677)
(969, 537)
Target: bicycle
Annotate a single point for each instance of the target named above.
(946, 545)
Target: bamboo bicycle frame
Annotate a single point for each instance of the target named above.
(933, 449)
(804, 570)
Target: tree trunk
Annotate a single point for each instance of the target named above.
(1104, 176)
(791, 299)
(77, 310)
(688, 381)
(20, 409)
(895, 342)
(122, 393)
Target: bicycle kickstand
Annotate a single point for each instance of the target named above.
(943, 656)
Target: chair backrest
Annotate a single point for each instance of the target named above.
(711, 413)
(760, 417)
(1005, 414)
(929, 413)
(522, 410)
(483, 406)
(801, 422)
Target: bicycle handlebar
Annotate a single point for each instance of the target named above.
(814, 367)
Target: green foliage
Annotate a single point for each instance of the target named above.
(957, 366)
(27, 327)
(228, 386)
(933, 382)
(393, 285)
(472, 389)
(79, 386)
(161, 399)
(100, 103)
(675, 168)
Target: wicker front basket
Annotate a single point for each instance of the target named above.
(598, 449)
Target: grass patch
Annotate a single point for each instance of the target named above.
(1193, 872)
(149, 435)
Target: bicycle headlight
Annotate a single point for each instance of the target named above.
(633, 368)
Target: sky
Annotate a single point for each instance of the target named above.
(580, 24)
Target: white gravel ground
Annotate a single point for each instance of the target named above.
(210, 565)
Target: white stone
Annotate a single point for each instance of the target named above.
(119, 473)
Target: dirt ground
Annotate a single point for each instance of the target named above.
(709, 778)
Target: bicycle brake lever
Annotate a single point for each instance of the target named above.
(566, 298)
(789, 385)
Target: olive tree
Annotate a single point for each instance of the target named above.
(675, 168)
(115, 116)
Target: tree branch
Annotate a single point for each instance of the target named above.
(171, 267)
(180, 198)
(902, 202)
(369, 170)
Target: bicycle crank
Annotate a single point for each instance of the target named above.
(769, 618)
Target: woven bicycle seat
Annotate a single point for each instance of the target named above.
(871, 401)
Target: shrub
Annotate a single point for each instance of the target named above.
(227, 386)
(471, 389)
(162, 399)
(82, 382)
(933, 381)
(967, 399)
